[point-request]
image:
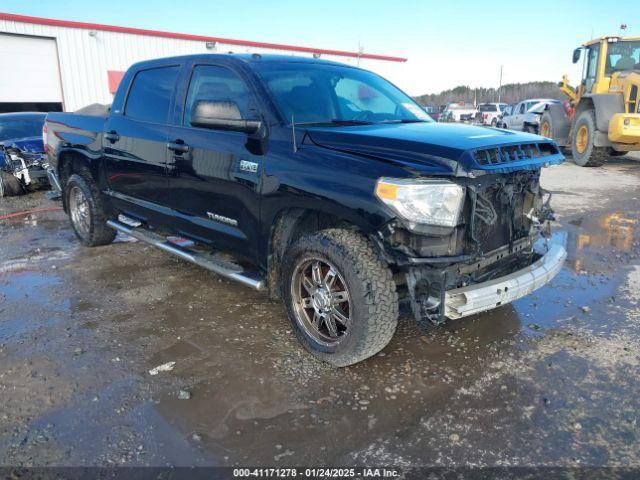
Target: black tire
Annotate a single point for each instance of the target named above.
(615, 153)
(530, 129)
(546, 125)
(96, 232)
(590, 156)
(9, 185)
(373, 301)
(494, 123)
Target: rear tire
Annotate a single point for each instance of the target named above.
(616, 153)
(530, 129)
(584, 153)
(348, 268)
(9, 185)
(87, 212)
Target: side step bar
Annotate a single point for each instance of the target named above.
(230, 271)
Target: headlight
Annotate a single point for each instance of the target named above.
(430, 202)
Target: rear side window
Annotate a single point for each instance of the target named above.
(151, 93)
(218, 84)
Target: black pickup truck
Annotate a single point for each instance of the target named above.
(321, 183)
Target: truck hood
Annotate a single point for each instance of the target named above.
(442, 148)
(27, 145)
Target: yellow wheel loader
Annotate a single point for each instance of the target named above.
(604, 117)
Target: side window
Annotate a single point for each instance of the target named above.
(522, 108)
(591, 69)
(218, 84)
(151, 93)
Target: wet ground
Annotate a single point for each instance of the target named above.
(549, 380)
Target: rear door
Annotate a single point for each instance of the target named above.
(135, 142)
(215, 181)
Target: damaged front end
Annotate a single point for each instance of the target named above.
(29, 166)
(482, 261)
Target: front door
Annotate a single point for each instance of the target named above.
(135, 143)
(214, 180)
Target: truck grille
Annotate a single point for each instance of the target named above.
(514, 153)
(497, 214)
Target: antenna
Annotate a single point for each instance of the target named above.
(293, 134)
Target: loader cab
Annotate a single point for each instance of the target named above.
(603, 58)
(591, 67)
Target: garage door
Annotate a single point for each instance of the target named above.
(29, 70)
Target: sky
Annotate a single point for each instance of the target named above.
(447, 43)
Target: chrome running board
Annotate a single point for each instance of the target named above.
(224, 269)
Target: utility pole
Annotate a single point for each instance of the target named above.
(500, 85)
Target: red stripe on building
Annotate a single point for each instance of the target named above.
(199, 38)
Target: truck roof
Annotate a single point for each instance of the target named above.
(247, 58)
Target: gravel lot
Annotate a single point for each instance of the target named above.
(549, 380)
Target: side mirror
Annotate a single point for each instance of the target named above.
(222, 115)
(576, 54)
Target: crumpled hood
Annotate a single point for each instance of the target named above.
(28, 145)
(441, 148)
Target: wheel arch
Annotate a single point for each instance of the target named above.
(288, 226)
(604, 106)
(70, 162)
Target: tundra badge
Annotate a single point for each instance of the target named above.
(247, 166)
(222, 219)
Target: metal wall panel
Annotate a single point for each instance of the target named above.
(85, 56)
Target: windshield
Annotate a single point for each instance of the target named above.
(10, 129)
(622, 56)
(488, 108)
(332, 94)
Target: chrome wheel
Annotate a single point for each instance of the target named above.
(321, 301)
(79, 210)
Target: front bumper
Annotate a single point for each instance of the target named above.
(481, 297)
(624, 128)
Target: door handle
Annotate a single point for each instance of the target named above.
(112, 136)
(178, 147)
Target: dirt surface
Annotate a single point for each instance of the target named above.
(549, 380)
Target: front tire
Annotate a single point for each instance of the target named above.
(584, 153)
(546, 125)
(87, 212)
(340, 296)
(9, 185)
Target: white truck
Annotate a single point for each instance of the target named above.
(458, 112)
(489, 113)
(525, 115)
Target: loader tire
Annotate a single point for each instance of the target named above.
(616, 153)
(584, 153)
(546, 125)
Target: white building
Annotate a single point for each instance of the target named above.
(62, 65)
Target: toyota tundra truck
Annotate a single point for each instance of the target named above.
(322, 184)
